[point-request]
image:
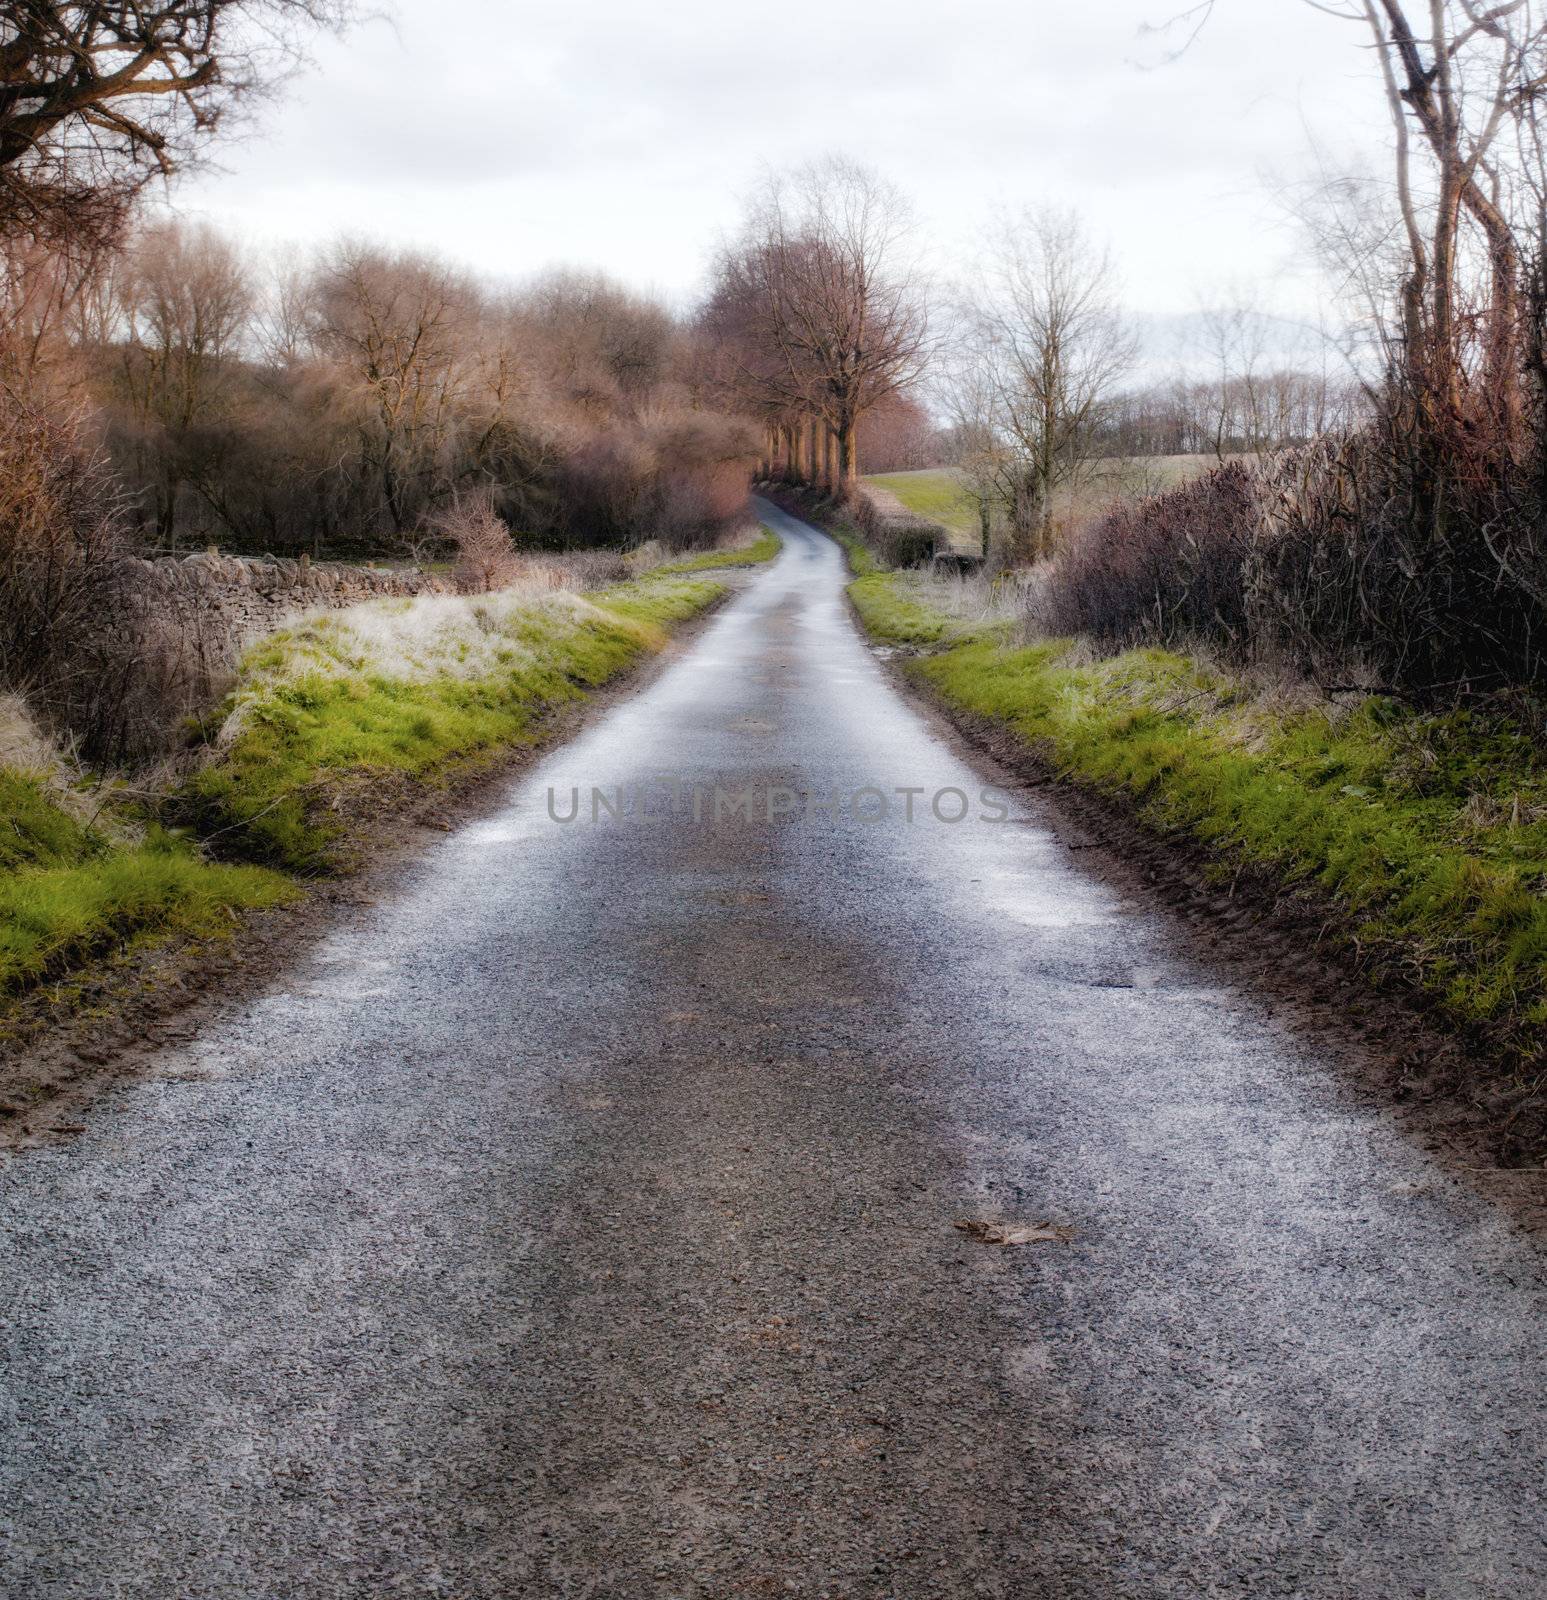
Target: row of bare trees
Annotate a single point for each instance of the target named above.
(818, 316)
(1231, 414)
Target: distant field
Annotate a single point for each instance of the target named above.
(937, 492)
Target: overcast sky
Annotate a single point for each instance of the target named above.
(620, 135)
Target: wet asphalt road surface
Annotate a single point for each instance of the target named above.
(580, 1222)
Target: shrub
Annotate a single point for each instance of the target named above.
(1422, 549)
(1163, 568)
(486, 553)
(899, 541)
(677, 476)
(104, 661)
(1349, 548)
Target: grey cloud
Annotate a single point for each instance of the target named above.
(567, 120)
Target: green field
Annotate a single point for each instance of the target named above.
(939, 494)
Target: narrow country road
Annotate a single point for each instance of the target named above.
(580, 1222)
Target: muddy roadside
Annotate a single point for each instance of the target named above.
(62, 1044)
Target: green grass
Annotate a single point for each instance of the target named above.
(340, 710)
(69, 892)
(325, 717)
(863, 561)
(935, 494)
(895, 607)
(764, 548)
(1428, 830)
(891, 614)
(35, 829)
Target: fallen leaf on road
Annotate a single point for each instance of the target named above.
(1005, 1233)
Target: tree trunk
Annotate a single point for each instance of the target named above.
(830, 461)
(848, 461)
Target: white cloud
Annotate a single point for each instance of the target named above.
(620, 135)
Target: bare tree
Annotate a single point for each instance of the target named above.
(1455, 82)
(966, 393)
(486, 553)
(743, 368)
(830, 312)
(1055, 348)
(393, 327)
(98, 96)
(1462, 81)
(47, 301)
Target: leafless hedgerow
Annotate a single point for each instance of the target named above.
(338, 407)
(1314, 556)
(108, 665)
(1162, 568)
(899, 537)
(62, 530)
(595, 569)
(1416, 540)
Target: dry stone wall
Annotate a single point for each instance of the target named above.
(238, 599)
(172, 630)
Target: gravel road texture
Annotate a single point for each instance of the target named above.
(582, 1220)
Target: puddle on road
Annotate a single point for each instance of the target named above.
(1046, 899)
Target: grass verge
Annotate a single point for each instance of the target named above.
(764, 548)
(344, 708)
(331, 720)
(1427, 832)
(70, 891)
